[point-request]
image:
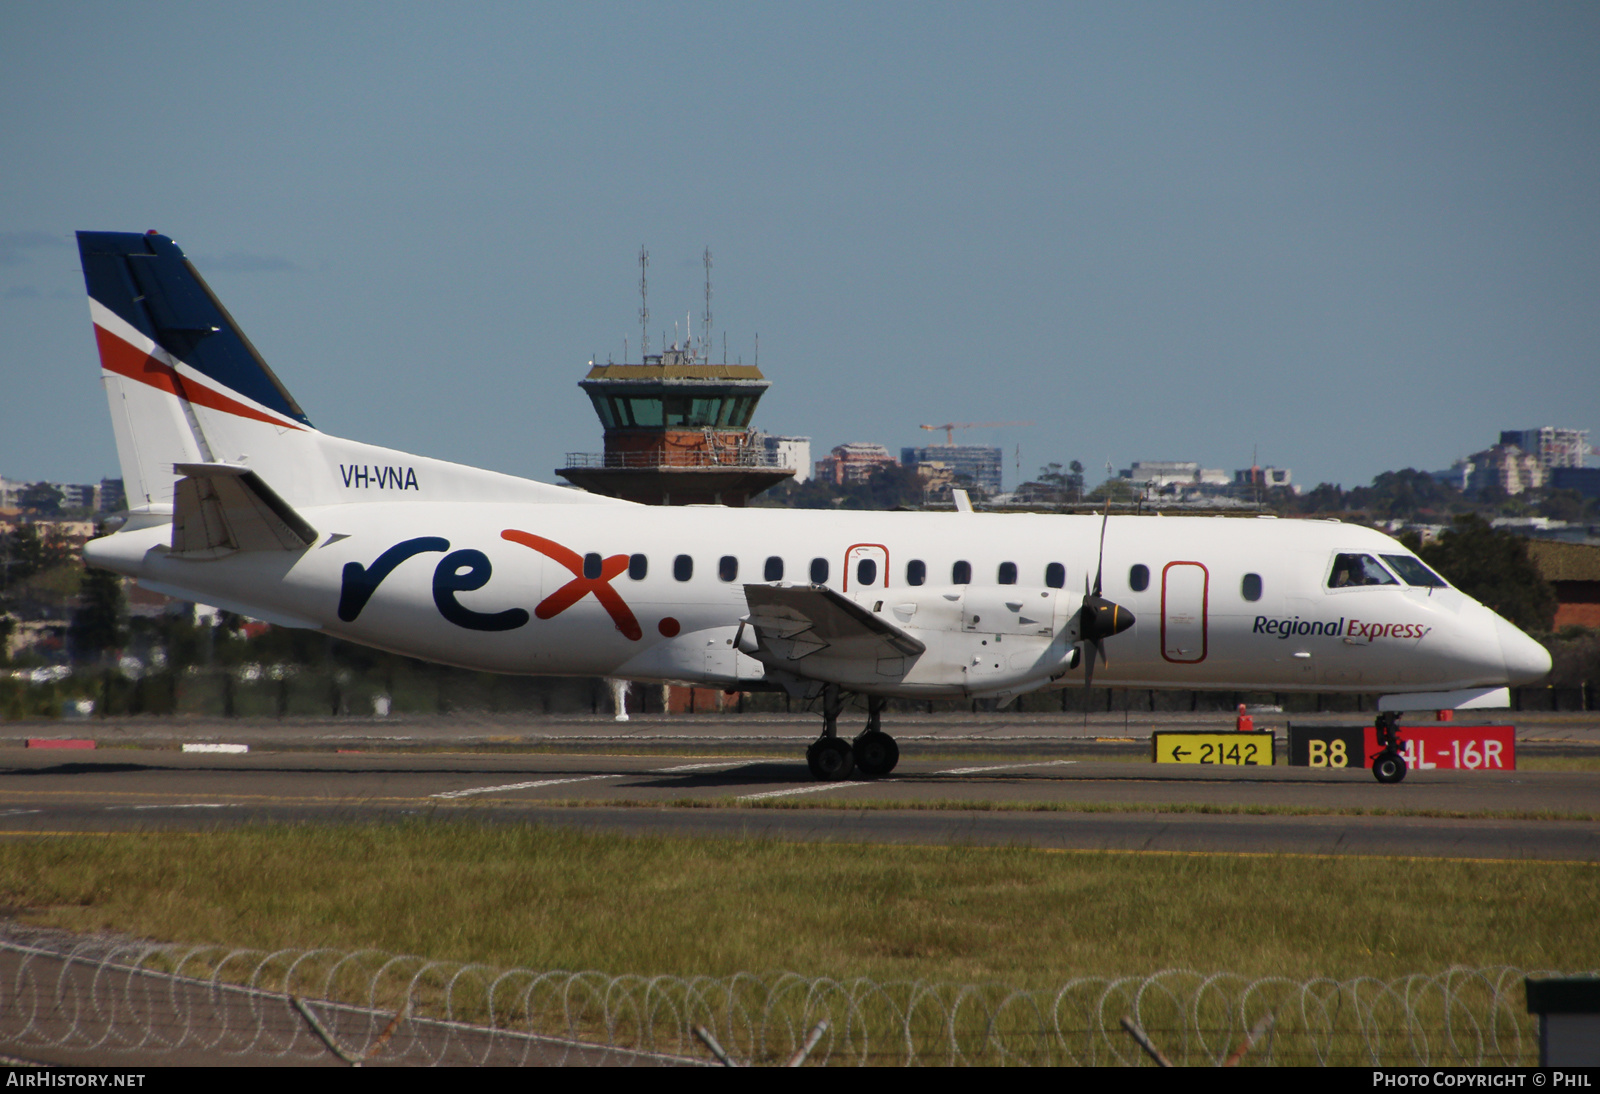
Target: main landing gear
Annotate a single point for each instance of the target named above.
(873, 752)
(1388, 766)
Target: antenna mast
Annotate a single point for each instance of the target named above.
(705, 338)
(644, 304)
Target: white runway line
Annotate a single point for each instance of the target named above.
(701, 767)
(519, 786)
(190, 746)
(1002, 767)
(181, 805)
(798, 790)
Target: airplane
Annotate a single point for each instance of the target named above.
(236, 500)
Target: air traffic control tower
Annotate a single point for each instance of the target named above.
(676, 429)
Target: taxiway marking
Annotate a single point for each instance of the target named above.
(1002, 767)
(701, 767)
(174, 805)
(451, 794)
(797, 790)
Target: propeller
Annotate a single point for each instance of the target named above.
(1099, 618)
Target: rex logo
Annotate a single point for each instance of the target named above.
(590, 574)
(468, 570)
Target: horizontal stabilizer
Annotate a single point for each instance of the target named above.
(222, 508)
(794, 622)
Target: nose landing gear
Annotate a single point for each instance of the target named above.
(1388, 766)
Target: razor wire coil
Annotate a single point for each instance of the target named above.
(118, 998)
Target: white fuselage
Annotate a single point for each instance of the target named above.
(1194, 628)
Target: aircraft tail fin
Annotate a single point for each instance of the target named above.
(184, 383)
(188, 391)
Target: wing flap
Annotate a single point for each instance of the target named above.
(795, 622)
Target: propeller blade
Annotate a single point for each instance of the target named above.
(1100, 563)
(1099, 618)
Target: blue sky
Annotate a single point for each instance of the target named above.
(1359, 236)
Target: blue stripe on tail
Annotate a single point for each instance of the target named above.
(146, 280)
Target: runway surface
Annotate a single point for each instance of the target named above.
(1066, 791)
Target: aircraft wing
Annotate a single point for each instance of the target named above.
(792, 623)
(221, 508)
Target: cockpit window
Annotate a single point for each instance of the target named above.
(1413, 572)
(1352, 570)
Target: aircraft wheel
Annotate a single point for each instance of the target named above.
(1389, 766)
(831, 759)
(876, 753)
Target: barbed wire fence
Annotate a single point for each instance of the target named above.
(109, 1001)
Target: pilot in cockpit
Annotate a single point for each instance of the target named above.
(1350, 570)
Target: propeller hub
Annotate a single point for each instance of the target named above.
(1103, 618)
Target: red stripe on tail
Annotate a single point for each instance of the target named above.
(125, 360)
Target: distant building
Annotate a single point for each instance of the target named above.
(979, 464)
(80, 496)
(1507, 466)
(1573, 570)
(1552, 447)
(1456, 477)
(107, 497)
(73, 532)
(1270, 478)
(1157, 474)
(1585, 480)
(936, 478)
(850, 464)
(11, 493)
(791, 452)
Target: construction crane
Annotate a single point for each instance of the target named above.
(950, 428)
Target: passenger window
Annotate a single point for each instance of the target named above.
(774, 570)
(819, 571)
(728, 568)
(866, 571)
(1250, 587)
(591, 565)
(1139, 577)
(1413, 572)
(961, 573)
(916, 572)
(638, 566)
(1055, 575)
(683, 567)
(1350, 570)
(1007, 574)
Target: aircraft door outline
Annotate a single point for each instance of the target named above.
(875, 553)
(1185, 600)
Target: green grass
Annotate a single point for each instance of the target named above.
(552, 898)
(1525, 762)
(987, 806)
